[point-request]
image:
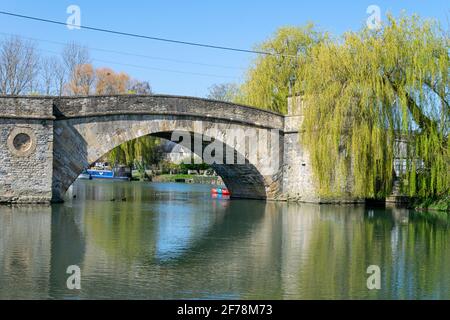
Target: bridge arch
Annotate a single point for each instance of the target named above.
(81, 139)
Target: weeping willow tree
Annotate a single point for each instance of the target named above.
(139, 153)
(269, 79)
(375, 97)
(375, 100)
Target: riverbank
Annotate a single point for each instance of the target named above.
(188, 178)
(441, 204)
(182, 178)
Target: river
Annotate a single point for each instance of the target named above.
(173, 241)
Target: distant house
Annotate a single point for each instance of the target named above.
(175, 153)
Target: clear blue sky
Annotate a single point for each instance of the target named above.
(231, 23)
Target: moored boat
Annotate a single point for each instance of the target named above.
(104, 171)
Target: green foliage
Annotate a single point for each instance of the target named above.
(139, 153)
(439, 203)
(169, 167)
(268, 80)
(371, 97)
(191, 166)
(376, 96)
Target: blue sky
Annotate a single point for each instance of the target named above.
(232, 23)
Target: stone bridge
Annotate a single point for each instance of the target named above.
(46, 142)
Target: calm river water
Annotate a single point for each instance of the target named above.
(170, 241)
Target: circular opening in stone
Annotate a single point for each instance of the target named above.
(22, 142)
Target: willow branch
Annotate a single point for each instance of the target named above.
(419, 117)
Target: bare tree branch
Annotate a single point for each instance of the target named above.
(19, 66)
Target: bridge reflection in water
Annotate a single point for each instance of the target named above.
(174, 241)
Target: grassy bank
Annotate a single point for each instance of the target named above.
(434, 204)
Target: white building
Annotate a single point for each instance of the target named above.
(176, 153)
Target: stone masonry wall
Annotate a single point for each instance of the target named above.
(298, 183)
(26, 178)
(26, 150)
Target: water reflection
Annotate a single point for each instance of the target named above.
(67, 248)
(25, 252)
(135, 240)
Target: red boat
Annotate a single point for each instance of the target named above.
(222, 191)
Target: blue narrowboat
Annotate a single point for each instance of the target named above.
(102, 171)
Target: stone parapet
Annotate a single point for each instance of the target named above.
(26, 108)
(166, 105)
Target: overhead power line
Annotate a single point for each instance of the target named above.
(134, 35)
(129, 53)
(166, 70)
(152, 68)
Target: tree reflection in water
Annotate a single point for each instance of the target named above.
(141, 240)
